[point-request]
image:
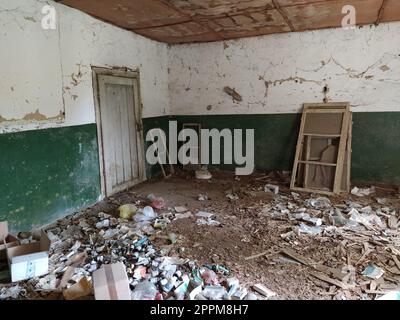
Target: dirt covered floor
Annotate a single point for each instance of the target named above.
(298, 245)
(248, 228)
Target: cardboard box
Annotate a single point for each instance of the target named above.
(29, 260)
(6, 240)
(111, 282)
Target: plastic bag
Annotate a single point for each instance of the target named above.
(127, 211)
(145, 291)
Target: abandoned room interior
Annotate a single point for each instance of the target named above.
(228, 150)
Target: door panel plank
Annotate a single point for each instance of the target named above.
(125, 141)
(133, 133)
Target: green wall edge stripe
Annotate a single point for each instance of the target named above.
(47, 174)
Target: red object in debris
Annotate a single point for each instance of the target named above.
(158, 203)
(159, 296)
(209, 277)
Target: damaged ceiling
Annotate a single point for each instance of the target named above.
(183, 21)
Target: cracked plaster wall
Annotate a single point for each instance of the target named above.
(46, 78)
(277, 73)
(48, 73)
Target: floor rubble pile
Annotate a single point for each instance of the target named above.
(82, 243)
(368, 236)
(279, 244)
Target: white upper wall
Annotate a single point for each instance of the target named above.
(47, 72)
(278, 73)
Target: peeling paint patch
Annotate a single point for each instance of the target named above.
(35, 116)
(384, 68)
(233, 93)
(32, 19)
(70, 86)
(32, 117)
(76, 78)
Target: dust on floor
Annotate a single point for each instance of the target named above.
(247, 228)
(299, 245)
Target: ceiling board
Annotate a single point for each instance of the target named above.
(130, 14)
(391, 11)
(183, 21)
(321, 15)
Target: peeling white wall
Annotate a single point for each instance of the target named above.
(30, 64)
(278, 73)
(50, 70)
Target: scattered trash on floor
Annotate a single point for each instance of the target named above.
(12, 292)
(202, 197)
(361, 192)
(373, 272)
(271, 188)
(395, 295)
(208, 222)
(264, 290)
(367, 234)
(347, 247)
(127, 211)
(105, 258)
(156, 202)
(232, 196)
(181, 209)
(320, 203)
(203, 214)
(203, 174)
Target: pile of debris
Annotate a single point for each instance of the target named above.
(368, 235)
(83, 243)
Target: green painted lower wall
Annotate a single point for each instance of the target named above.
(46, 174)
(376, 147)
(376, 141)
(275, 136)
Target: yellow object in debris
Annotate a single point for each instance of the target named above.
(127, 211)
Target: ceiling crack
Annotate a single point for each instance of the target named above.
(284, 15)
(381, 11)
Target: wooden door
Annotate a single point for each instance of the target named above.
(121, 133)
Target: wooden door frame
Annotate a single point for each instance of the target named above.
(122, 73)
(343, 150)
